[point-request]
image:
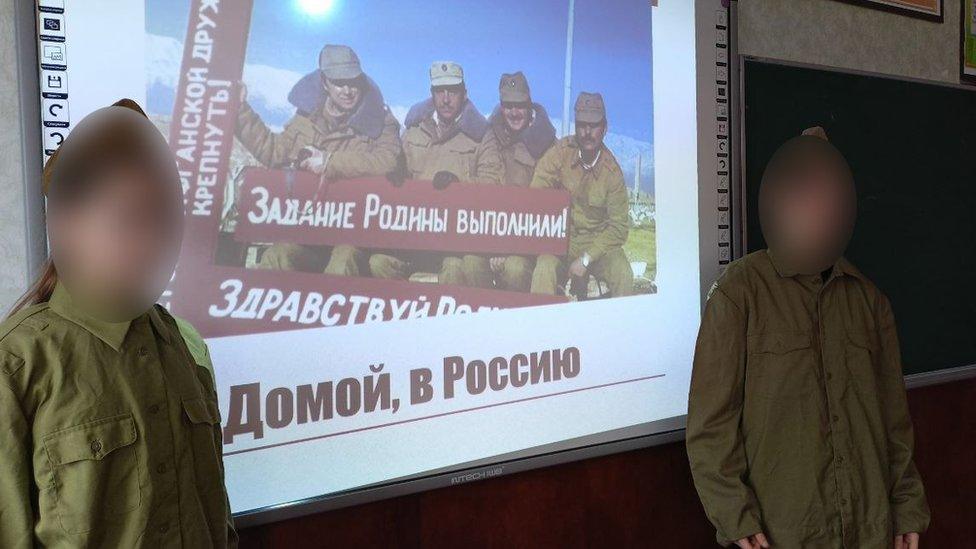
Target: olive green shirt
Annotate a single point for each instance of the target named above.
(109, 434)
(798, 423)
(601, 210)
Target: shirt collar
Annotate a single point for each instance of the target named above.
(841, 266)
(591, 165)
(112, 333)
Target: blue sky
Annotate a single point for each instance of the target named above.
(398, 39)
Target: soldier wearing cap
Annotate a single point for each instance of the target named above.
(524, 133)
(600, 215)
(342, 129)
(445, 141)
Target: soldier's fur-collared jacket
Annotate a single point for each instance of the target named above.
(366, 143)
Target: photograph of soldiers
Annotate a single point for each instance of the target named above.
(341, 129)
(447, 140)
(469, 122)
(600, 217)
(524, 133)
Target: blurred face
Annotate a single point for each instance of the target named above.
(807, 212)
(517, 116)
(116, 246)
(448, 101)
(344, 94)
(590, 136)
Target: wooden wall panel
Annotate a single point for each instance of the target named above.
(643, 498)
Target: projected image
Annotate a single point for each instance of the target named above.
(370, 163)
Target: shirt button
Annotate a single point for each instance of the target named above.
(161, 468)
(154, 409)
(163, 528)
(96, 446)
(835, 418)
(143, 352)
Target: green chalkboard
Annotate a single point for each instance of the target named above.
(912, 148)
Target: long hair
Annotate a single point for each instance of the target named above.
(106, 143)
(40, 291)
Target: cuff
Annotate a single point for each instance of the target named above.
(746, 525)
(914, 519)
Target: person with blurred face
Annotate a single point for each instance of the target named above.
(524, 133)
(342, 129)
(798, 430)
(109, 426)
(600, 214)
(445, 141)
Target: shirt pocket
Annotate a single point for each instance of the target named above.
(596, 203)
(94, 471)
(860, 354)
(202, 419)
(778, 364)
(459, 159)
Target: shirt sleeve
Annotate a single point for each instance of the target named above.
(489, 162)
(546, 174)
(269, 148)
(16, 511)
(910, 511)
(714, 439)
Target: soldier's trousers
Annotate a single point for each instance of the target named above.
(470, 270)
(613, 268)
(338, 260)
(516, 274)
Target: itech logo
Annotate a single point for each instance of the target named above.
(478, 475)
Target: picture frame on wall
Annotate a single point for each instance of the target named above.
(967, 42)
(930, 10)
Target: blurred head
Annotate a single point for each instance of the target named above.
(344, 95)
(448, 101)
(807, 204)
(115, 213)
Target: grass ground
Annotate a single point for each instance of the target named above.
(641, 245)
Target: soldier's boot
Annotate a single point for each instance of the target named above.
(477, 271)
(452, 271)
(344, 261)
(516, 273)
(293, 257)
(545, 276)
(614, 269)
(387, 266)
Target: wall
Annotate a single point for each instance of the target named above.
(836, 34)
(641, 499)
(13, 234)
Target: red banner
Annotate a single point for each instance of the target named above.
(223, 301)
(296, 206)
(229, 301)
(205, 117)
